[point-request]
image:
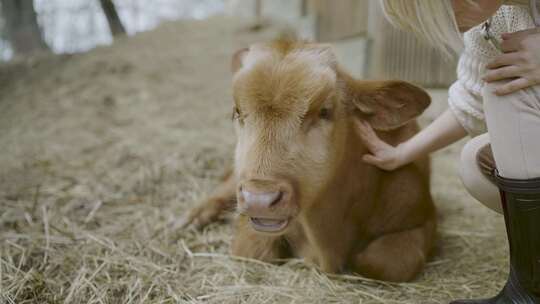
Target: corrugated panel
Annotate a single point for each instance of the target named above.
(395, 54)
(340, 19)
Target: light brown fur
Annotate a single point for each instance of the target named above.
(347, 215)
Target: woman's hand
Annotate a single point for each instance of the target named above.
(382, 155)
(442, 132)
(520, 62)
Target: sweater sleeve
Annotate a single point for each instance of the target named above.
(467, 109)
(465, 95)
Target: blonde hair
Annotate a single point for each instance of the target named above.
(431, 20)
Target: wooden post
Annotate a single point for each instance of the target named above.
(22, 29)
(112, 18)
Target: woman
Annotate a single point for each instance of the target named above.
(499, 86)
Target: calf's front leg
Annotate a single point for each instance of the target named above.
(209, 210)
(396, 257)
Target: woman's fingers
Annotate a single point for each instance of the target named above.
(369, 137)
(520, 64)
(511, 42)
(364, 129)
(513, 86)
(383, 153)
(370, 159)
(367, 134)
(377, 162)
(505, 72)
(505, 60)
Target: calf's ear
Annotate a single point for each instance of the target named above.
(238, 57)
(387, 105)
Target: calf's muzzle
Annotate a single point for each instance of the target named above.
(267, 203)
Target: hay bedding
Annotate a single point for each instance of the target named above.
(102, 152)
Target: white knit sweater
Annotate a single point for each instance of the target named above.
(465, 95)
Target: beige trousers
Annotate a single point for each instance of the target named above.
(514, 132)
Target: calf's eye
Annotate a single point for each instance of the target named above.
(236, 115)
(325, 113)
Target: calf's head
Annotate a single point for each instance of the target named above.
(293, 113)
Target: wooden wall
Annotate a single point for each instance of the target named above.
(340, 19)
(400, 55)
(388, 53)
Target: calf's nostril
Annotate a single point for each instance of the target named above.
(276, 199)
(262, 200)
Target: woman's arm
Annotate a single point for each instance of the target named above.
(442, 132)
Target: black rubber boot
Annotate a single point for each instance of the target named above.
(521, 204)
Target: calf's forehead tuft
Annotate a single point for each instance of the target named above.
(284, 78)
(276, 53)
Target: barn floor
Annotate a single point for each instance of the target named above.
(101, 153)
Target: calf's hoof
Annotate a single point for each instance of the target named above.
(202, 215)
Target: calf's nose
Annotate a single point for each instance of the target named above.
(260, 200)
(264, 197)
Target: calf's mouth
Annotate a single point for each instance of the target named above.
(269, 225)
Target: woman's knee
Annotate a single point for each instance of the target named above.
(521, 100)
(475, 178)
(513, 123)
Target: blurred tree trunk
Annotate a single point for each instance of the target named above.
(112, 18)
(22, 29)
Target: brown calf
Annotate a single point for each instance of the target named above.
(299, 183)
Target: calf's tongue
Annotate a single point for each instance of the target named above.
(268, 224)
